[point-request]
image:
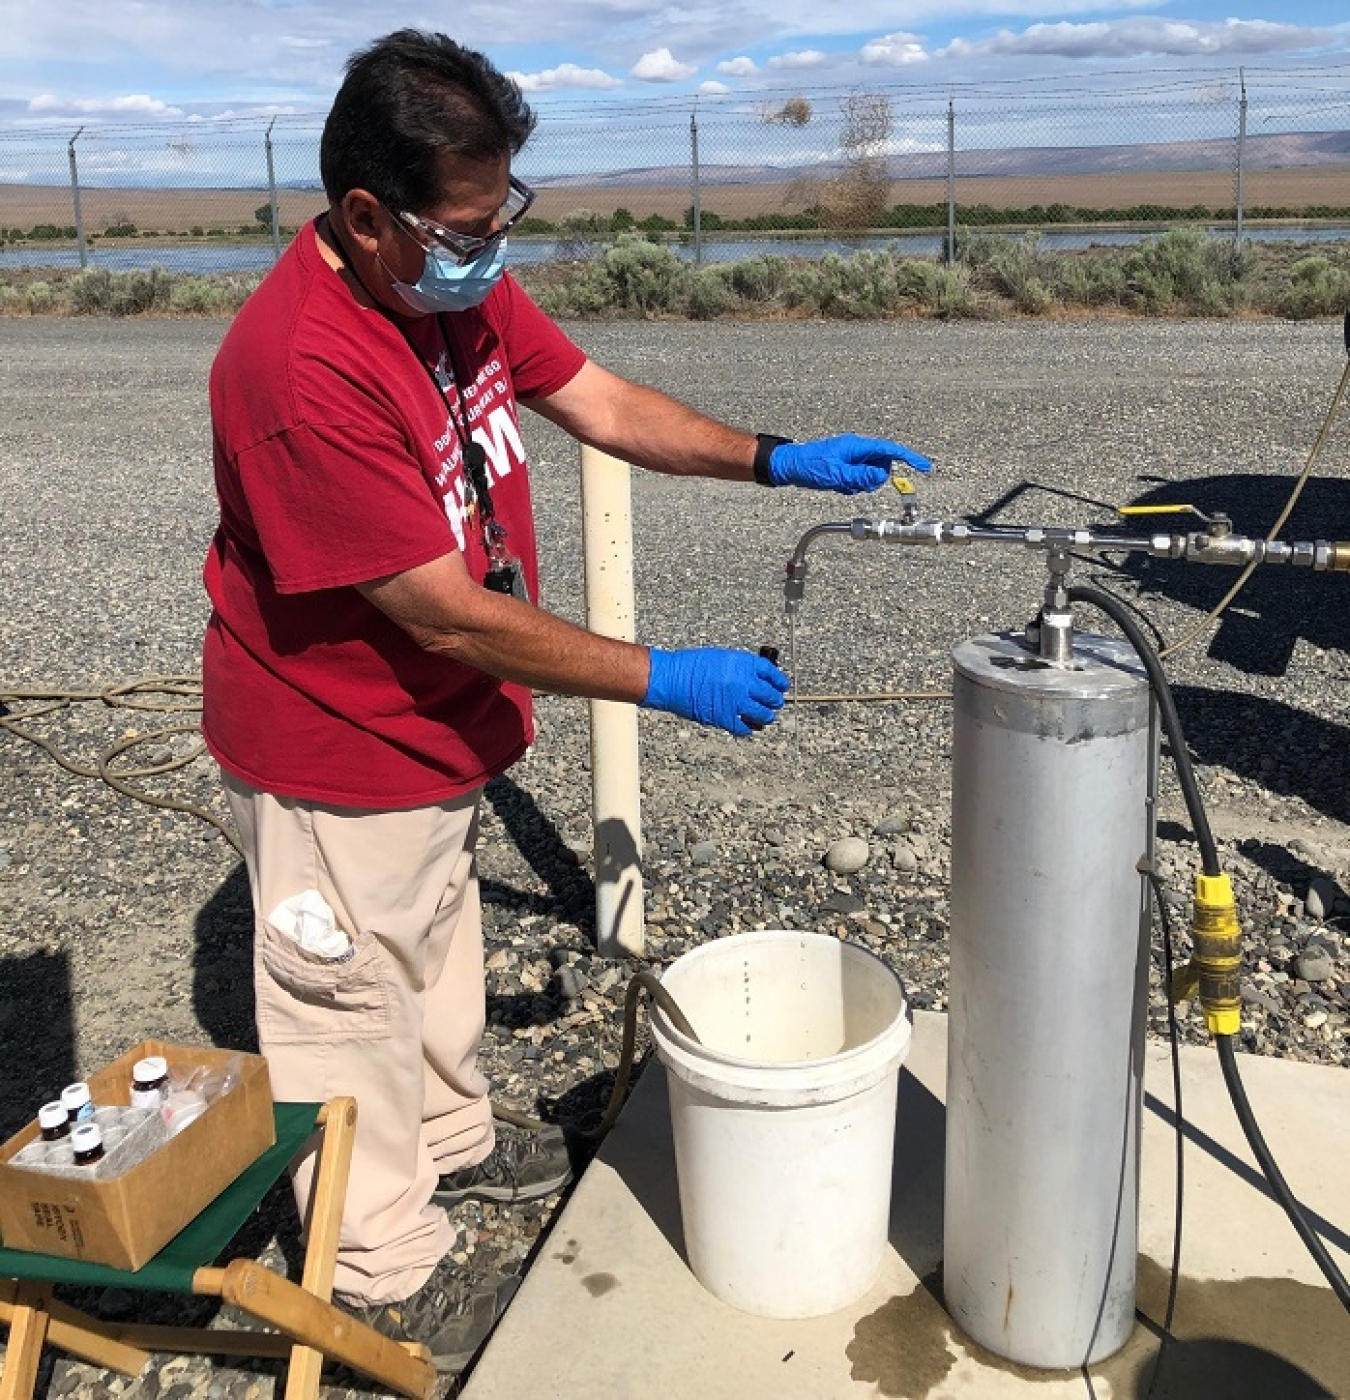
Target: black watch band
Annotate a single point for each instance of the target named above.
(765, 444)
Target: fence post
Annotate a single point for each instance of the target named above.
(951, 181)
(698, 202)
(1241, 161)
(272, 192)
(607, 532)
(75, 197)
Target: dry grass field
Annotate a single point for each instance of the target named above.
(181, 210)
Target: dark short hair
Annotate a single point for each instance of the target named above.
(408, 99)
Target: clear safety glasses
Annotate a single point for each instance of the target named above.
(464, 247)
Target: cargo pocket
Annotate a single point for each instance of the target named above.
(305, 998)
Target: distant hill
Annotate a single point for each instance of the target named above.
(1297, 150)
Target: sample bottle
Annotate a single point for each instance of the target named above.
(87, 1141)
(54, 1121)
(149, 1082)
(78, 1104)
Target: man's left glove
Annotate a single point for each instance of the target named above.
(847, 464)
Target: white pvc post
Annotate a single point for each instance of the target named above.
(607, 530)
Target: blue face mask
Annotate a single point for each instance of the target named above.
(446, 286)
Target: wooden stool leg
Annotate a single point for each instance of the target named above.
(318, 1324)
(27, 1333)
(338, 1119)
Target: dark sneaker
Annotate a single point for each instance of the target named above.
(522, 1166)
(452, 1314)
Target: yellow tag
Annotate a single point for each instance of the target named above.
(902, 484)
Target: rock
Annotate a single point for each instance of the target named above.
(904, 858)
(6, 860)
(703, 852)
(1322, 897)
(1315, 967)
(843, 903)
(890, 826)
(571, 983)
(847, 856)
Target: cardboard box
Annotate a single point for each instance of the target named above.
(126, 1221)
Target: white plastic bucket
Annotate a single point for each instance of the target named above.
(784, 1116)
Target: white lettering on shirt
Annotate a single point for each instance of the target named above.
(499, 433)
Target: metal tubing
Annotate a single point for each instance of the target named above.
(607, 527)
(1049, 978)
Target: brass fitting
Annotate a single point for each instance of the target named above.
(1215, 964)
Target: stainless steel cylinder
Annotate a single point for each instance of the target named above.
(1048, 991)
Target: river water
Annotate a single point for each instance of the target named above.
(258, 257)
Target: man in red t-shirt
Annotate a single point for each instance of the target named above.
(373, 643)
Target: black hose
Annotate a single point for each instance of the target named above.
(1167, 709)
(1237, 1092)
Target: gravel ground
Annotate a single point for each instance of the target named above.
(118, 921)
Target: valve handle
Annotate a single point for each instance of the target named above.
(1165, 510)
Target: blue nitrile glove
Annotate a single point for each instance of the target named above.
(716, 686)
(847, 464)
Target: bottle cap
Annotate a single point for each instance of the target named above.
(52, 1115)
(75, 1096)
(85, 1137)
(150, 1069)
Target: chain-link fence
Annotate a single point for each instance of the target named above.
(1255, 155)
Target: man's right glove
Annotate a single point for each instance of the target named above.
(730, 690)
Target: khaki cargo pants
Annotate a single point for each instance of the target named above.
(397, 1025)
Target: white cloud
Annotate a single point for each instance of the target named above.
(567, 75)
(895, 50)
(741, 67)
(661, 66)
(1145, 34)
(136, 104)
(713, 88)
(803, 58)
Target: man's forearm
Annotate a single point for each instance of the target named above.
(648, 428)
(446, 613)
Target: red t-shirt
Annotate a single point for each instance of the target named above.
(337, 461)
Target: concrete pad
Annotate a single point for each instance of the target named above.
(610, 1309)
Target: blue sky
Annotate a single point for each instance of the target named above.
(176, 60)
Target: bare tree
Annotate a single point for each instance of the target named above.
(858, 195)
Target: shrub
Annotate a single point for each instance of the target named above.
(134, 293)
(41, 298)
(1183, 266)
(953, 293)
(1316, 288)
(198, 296)
(709, 293)
(644, 275)
(91, 292)
(758, 279)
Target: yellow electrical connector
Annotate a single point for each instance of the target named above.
(1215, 964)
